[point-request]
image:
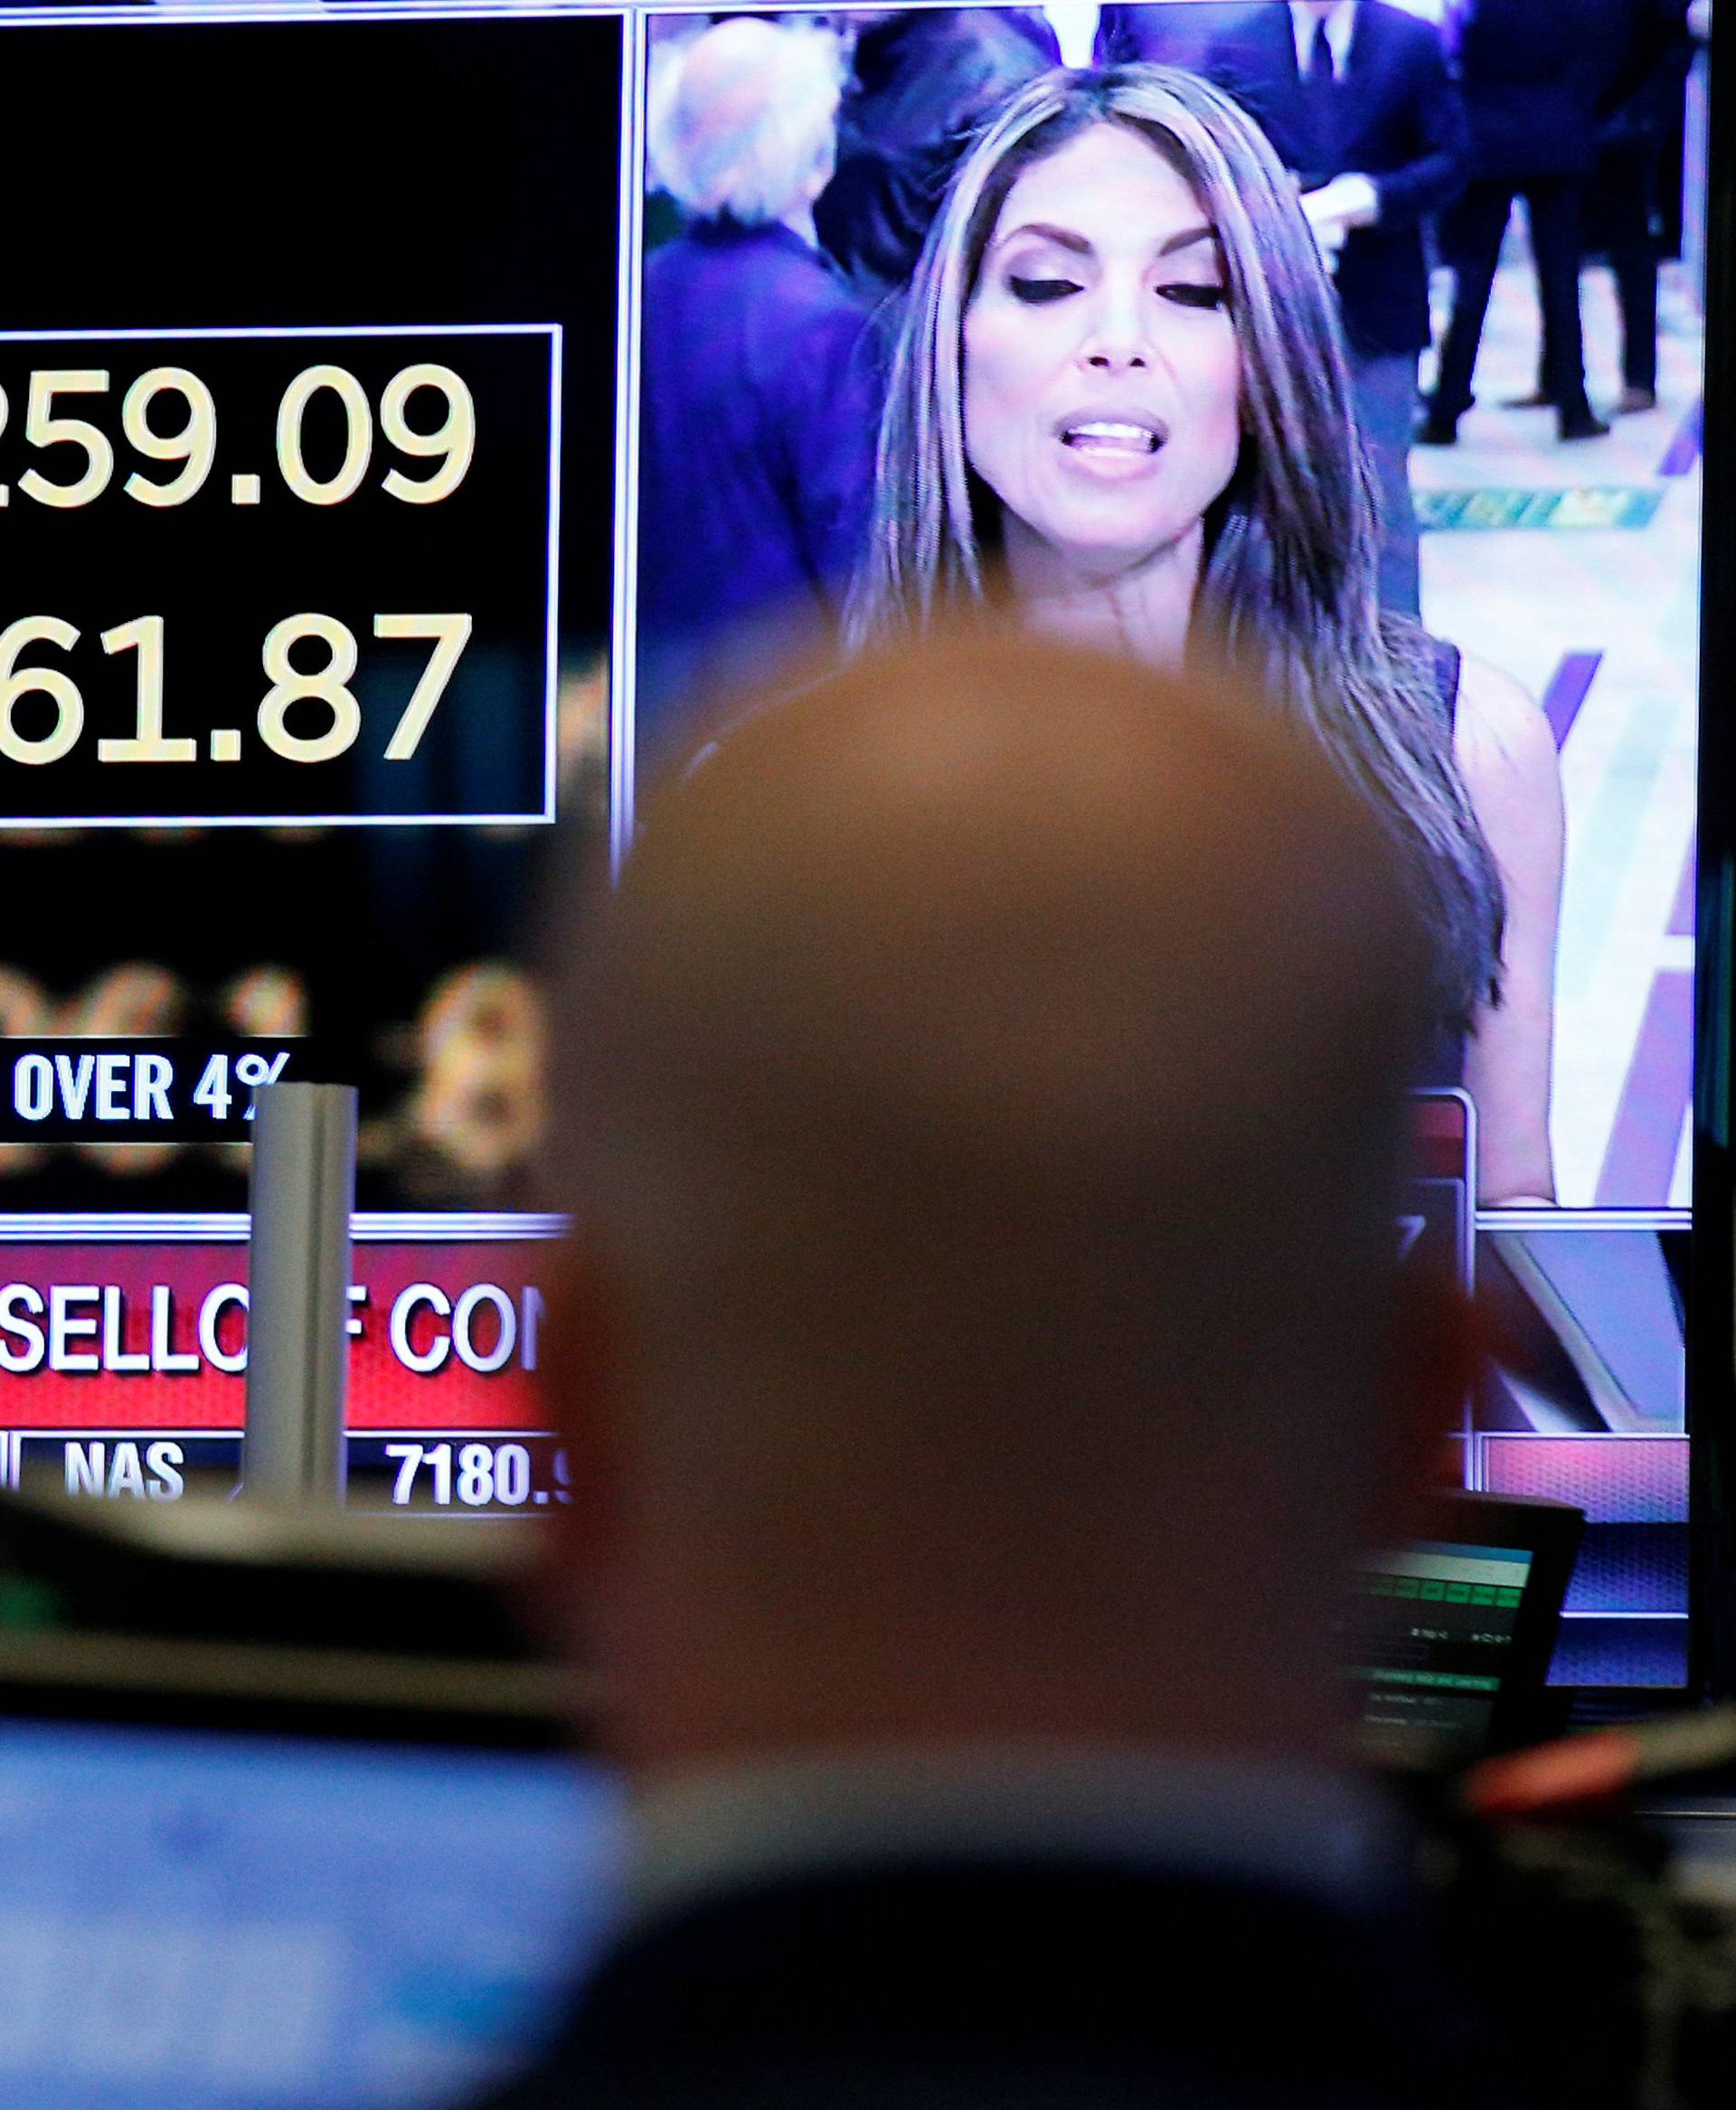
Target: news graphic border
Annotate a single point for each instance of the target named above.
(229, 1227)
(13, 1442)
(72, 1226)
(273, 333)
(630, 246)
(1584, 1219)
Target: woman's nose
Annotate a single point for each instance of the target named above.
(1116, 340)
(1114, 358)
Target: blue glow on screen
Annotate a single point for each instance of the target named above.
(189, 1921)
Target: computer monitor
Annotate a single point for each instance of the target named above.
(292, 1812)
(1454, 1633)
(195, 1919)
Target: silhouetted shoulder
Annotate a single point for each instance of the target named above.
(1398, 31)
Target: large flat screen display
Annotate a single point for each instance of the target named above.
(686, 352)
(309, 506)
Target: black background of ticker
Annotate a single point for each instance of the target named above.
(317, 173)
(222, 576)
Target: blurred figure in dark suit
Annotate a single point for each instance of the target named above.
(1172, 32)
(1356, 97)
(981, 1362)
(1534, 73)
(923, 80)
(1623, 207)
(758, 403)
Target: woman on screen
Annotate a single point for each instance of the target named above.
(1118, 397)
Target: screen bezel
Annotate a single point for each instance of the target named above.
(1710, 1327)
(1711, 1314)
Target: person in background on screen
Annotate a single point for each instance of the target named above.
(1534, 73)
(981, 1362)
(758, 399)
(1356, 99)
(920, 81)
(1119, 399)
(1622, 206)
(1170, 32)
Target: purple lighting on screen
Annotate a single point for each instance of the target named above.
(1567, 692)
(1641, 1156)
(1685, 448)
(1681, 923)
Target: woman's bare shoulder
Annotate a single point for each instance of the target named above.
(1502, 741)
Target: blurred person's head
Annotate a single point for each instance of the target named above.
(982, 1104)
(743, 125)
(1120, 371)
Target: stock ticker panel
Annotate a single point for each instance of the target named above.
(123, 1367)
(298, 575)
(307, 535)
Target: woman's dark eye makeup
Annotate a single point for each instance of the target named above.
(1035, 292)
(1189, 293)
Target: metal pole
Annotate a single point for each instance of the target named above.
(301, 1191)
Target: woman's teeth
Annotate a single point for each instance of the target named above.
(1104, 438)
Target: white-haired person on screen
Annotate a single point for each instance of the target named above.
(1118, 409)
(758, 403)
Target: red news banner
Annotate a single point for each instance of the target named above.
(122, 1362)
(122, 1369)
